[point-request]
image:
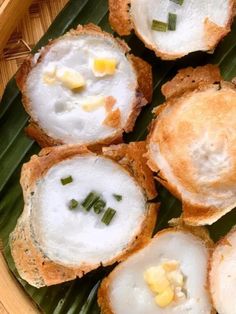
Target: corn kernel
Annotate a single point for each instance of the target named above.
(104, 66)
(170, 265)
(48, 80)
(93, 103)
(70, 78)
(176, 278)
(156, 279)
(165, 298)
(166, 281)
(179, 294)
(49, 74)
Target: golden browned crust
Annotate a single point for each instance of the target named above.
(35, 131)
(109, 103)
(234, 7)
(191, 78)
(103, 291)
(113, 118)
(23, 72)
(104, 297)
(39, 164)
(132, 157)
(119, 16)
(137, 107)
(144, 73)
(32, 264)
(193, 214)
(214, 33)
(200, 232)
(187, 82)
(109, 141)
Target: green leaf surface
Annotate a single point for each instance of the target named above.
(79, 296)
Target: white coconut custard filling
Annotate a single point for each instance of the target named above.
(78, 81)
(222, 275)
(174, 265)
(192, 18)
(74, 236)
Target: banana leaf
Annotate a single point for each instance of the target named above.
(79, 296)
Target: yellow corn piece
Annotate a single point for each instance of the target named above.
(156, 279)
(104, 66)
(48, 80)
(170, 265)
(49, 74)
(176, 277)
(93, 103)
(165, 298)
(70, 78)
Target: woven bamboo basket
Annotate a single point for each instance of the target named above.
(34, 23)
(26, 34)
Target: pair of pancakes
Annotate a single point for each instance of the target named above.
(87, 205)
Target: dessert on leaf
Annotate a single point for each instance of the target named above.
(82, 211)
(173, 28)
(169, 275)
(192, 143)
(83, 88)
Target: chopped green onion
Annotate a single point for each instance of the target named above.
(66, 180)
(73, 204)
(90, 200)
(99, 206)
(108, 215)
(117, 197)
(172, 19)
(180, 2)
(159, 26)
